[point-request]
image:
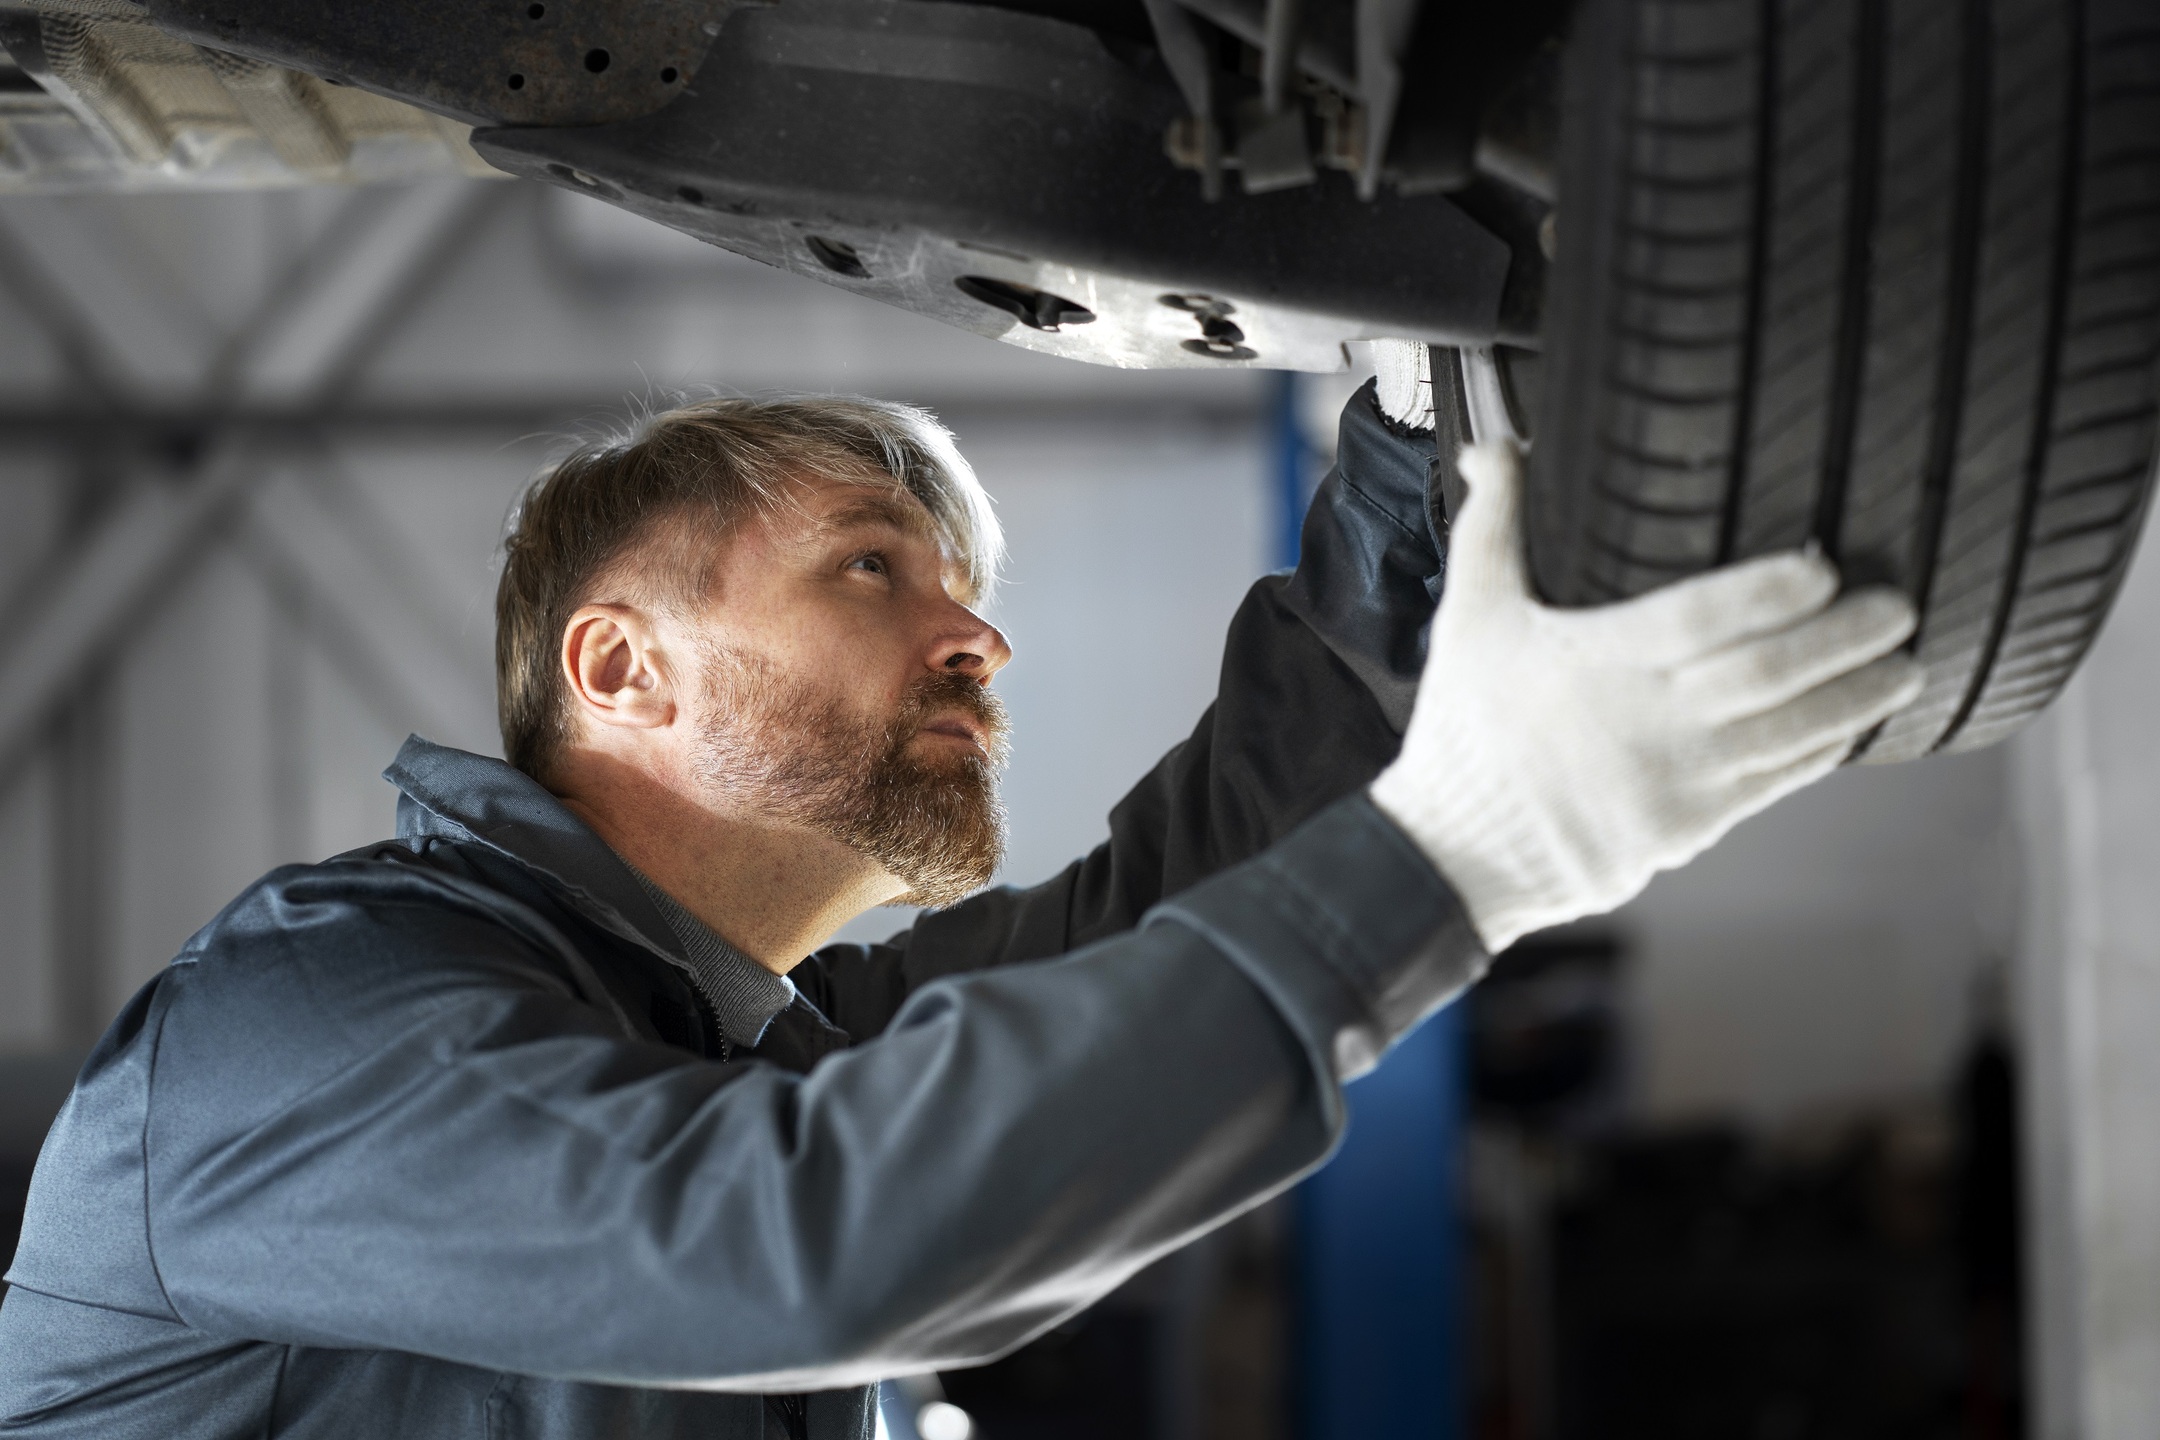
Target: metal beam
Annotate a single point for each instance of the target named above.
(348, 641)
(353, 225)
(376, 615)
(150, 533)
(90, 365)
(317, 344)
(149, 538)
(373, 537)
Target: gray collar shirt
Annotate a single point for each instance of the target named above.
(744, 995)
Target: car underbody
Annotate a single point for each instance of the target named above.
(1207, 184)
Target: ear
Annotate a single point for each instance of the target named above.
(617, 673)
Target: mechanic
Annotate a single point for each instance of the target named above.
(535, 1122)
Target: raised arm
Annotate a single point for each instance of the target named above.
(1319, 671)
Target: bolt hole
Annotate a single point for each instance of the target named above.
(1036, 309)
(690, 193)
(534, 12)
(670, 75)
(515, 82)
(1221, 350)
(838, 256)
(1215, 328)
(1201, 305)
(591, 184)
(596, 60)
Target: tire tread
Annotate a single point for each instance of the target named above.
(1879, 275)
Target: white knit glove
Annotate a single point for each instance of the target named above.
(1557, 759)
(1402, 372)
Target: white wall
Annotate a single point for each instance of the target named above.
(2088, 801)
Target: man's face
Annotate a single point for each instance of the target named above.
(843, 687)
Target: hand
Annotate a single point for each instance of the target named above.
(1557, 759)
(1402, 374)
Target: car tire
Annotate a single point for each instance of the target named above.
(1882, 276)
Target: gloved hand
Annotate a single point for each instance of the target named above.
(1557, 759)
(1402, 372)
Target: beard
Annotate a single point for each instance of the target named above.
(778, 746)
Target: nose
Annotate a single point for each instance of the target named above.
(972, 646)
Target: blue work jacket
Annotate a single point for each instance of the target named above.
(438, 1139)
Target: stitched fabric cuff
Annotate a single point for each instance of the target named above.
(1346, 927)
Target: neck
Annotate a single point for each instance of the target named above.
(774, 892)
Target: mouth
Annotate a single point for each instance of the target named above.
(957, 728)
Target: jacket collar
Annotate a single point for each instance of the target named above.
(458, 795)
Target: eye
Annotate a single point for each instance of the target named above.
(873, 562)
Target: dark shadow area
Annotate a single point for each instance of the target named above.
(1856, 1278)
(1196, 1347)
(1704, 1288)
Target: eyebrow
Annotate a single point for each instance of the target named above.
(907, 516)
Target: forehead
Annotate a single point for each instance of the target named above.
(822, 503)
(822, 508)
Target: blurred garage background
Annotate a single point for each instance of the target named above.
(1743, 1161)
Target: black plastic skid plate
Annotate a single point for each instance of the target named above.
(896, 148)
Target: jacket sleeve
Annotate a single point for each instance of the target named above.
(1319, 671)
(376, 1119)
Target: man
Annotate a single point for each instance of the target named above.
(535, 1122)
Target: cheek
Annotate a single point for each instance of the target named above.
(874, 648)
(830, 644)
(860, 668)
(814, 634)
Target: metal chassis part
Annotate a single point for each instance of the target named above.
(1004, 170)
